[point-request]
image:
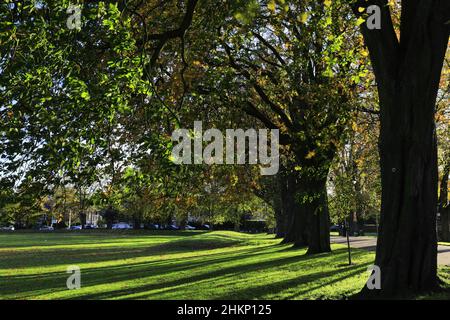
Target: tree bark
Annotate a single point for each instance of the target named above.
(280, 224)
(444, 207)
(82, 217)
(280, 217)
(294, 215)
(353, 225)
(317, 216)
(136, 223)
(306, 205)
(408, 74)
(406, 248)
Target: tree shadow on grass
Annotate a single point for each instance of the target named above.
(109, 274)
(63, 256)
(245, 260)
(258, 292)
(231, 272)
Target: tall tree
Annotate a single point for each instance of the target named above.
(407, 70)
(354, 181)
(291, 66)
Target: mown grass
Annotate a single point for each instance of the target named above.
(173, 265)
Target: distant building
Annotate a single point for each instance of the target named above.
(92, 218)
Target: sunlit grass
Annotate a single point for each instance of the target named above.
(173, 265)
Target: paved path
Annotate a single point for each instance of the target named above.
(370, 243)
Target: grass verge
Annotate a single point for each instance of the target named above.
(175, 265)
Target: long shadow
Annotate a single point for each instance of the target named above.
(359, 269)
(203, 258)
(443, 250)
(109, 274)
(95, 254)
(210, 276)
(258, 292)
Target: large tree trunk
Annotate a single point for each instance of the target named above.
(136, 222)
(82, 217)
(280, 218)
(353, 224)
(280, 225)
(317, 215)
(406, 248)
(408, 74)
(444, 208)
(294, 215)
(306, 207)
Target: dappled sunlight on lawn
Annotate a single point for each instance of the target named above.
(206, 265)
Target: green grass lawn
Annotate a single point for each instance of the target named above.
(173, 265)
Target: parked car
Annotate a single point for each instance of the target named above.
(121, 225)
(10, 228)
(188, 227)
(335, 228)
(206, 227)
(46, 228)
(172, 227)
(90, 226)
(152, 226)
(74, 228)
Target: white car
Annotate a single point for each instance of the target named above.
(188, 227)
(46, 228)
(121, 225)
(10, 228)
(74, 228)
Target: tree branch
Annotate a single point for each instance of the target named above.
(164, 37)
(277, 109)
(253, 111)
(272, 48)
(382, 43)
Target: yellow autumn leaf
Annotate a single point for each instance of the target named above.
(327, 3)
(360, 21)
(303, 17)
(310, 155)
(361, 9)
(271, 6)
